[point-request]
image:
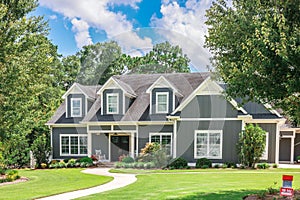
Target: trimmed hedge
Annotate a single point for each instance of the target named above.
(178, 163)
(203, 163)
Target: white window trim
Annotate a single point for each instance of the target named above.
(156, 102)
(208, 132)
(72, 135)
(160, 139)
(80, 113)
(107, 107)
(266, 151)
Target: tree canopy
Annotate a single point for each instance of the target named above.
(27, 66)
(98, 62)
(255, 47)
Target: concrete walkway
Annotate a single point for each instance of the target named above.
(120, 180)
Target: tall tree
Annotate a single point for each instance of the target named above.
(163, 58)
(96, 62)
(100, 61)
(255, 47)
(27, 68)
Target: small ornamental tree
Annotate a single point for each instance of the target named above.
(251, 145)
(41, 150)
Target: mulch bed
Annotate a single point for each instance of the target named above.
(20, 180)
(272, 196)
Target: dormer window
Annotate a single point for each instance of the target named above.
(112, 103)
(162, 102)
(76, 107)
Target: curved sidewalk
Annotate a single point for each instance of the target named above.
(120, 180)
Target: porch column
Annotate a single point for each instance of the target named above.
(175, 139)
(132, 144)
(277, 144)
(292, 147)
(89, 143)
(137, 141)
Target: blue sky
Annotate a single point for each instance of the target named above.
(135, 24)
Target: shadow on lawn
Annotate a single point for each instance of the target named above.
(230, 195)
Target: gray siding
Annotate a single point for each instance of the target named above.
(109, 91)
(56, 132)
(69, 103)
(271, 129)
(145, 130)
(186, 134)
(205, 106)
(100, 142)
(154, 91)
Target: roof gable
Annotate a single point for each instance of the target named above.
(162, 82)
(87, 91)
(207, 87)
(113, 83)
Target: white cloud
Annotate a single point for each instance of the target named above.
(95, 13)
(185, 26)
(82, 35)
(132, 3)
(53, 17)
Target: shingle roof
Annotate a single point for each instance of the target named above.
(137, 85)
(58, 113)
(89, 90)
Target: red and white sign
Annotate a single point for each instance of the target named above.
(289, 192)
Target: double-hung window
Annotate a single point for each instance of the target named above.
(76, 107)
(208, 144)
(164, 139)
(162, 102)
(73, 144)
(112, 103)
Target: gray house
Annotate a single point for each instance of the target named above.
(186, 112)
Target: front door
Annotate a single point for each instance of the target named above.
(285, 149)
(119, 147)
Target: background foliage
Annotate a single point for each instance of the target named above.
(255, 47)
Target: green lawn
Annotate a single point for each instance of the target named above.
(49, 182)
(209, 184)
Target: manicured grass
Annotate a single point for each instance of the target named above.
(49, 182)
(209, 184)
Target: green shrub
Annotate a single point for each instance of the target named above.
(61, 164)
(118, 165)
(11, 175)
(251, 145)
(204, 166)
(203, 161)
(231, 165)
(66, 160)
(128, 159)
(263, 166)
(141, 165)
(178, 163)
(224, 166)
(128, 165)
(86, 160)
(216, 166)
(2, 171)
(275, 165)
(149, 165)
